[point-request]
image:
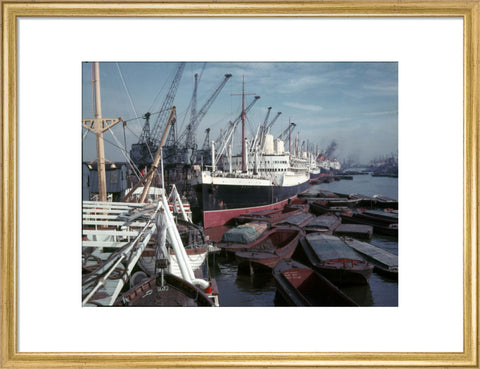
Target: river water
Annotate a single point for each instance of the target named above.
(259, 289)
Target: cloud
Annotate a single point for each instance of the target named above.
(354, 103)
(380, 113)
(308, 107)
(300, 83)
(383, 89)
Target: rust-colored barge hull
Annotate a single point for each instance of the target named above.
(280, 244)
(299, 285)
(334, 259)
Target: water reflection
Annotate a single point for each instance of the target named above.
(259, 289)
(361, 294)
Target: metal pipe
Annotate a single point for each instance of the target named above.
(176, 195)
(161, 166)
(96, 83)
(179, 249)
(213, 156)
(245, 148)
(243, 126)
(102, 180)
(230, 158)
(177, 245)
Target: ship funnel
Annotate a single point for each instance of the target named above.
(279, 147)
(268, 145)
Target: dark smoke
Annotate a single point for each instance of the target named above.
(330, 149)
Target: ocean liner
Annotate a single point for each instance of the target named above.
(264, 176)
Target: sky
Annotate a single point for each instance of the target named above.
(354, 104)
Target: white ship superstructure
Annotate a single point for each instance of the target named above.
(271, 177)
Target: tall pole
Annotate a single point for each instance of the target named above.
(156, 161)
(98, 125)
(243, 125)
(102, 180)
(243, 116)
(289, 137)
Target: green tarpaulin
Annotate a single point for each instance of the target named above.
(330, 247)
(241, 235)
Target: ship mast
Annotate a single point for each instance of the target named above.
(289, 137)
(102, 181)
(243, 116)
(98, 125)
(243, 125)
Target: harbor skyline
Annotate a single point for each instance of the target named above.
(257, 205)
(354, 104)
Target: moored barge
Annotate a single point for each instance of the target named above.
(299, 285)
(333, 258)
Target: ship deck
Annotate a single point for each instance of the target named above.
(114, 236)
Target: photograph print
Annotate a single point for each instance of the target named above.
(239, 184)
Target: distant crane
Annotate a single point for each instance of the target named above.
(193, 111)
(204, 152)
(284, 135)
(141, 153)
(170, 150)
(228, 134)
(223, 135)
(268, 114)
(265, 129)
(269, 126)
(189, 133)
(206, 142)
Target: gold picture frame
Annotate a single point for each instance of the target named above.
(467, 10)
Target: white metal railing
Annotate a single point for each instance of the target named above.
(101, 215)
(132, 252)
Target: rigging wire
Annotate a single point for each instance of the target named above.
(125, 154)
(143, 115)
(85, 134)
(126, 89)
(182, 126)
(133, 133)
(201, 72)
(252, 132)
(119, 146)
(170, 77)
(124, 135)
(111, 143)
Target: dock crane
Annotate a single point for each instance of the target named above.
(189, 133)
(206, 142)
(224, 139)
(269, 126)
(223, 135)
(141, 152)
(204, 153)
(264, 129)
(193, 111)
(268, 114)
(170, 150)
(261, 131)
(284, 135)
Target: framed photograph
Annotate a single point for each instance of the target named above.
(374, 78)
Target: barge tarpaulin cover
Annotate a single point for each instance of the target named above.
(245, 233)
(331, 247)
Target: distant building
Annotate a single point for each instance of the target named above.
(116, 177)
